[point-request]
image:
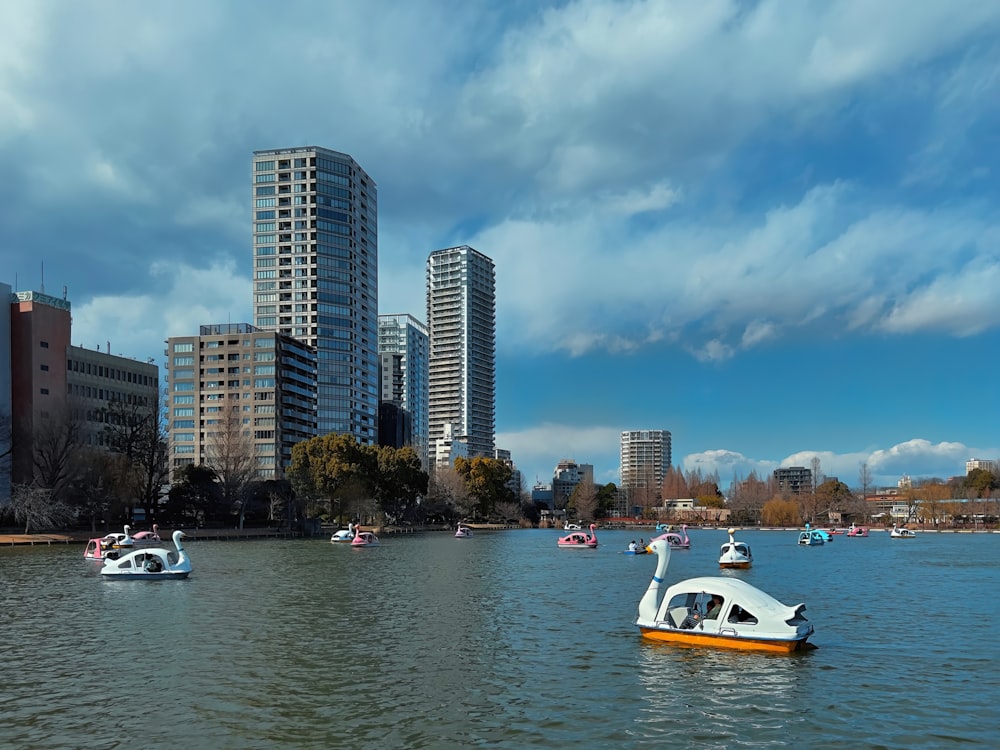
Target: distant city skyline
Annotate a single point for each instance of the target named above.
(772, 233)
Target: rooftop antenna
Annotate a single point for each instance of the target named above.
(65, 291)
(43, 278)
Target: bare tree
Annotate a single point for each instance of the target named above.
(229, 452)
(136, 432)
(38, 509)
(56, 445)
(450, 488)
(6, 448)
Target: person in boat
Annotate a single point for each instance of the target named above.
(714, 608)
(631, 546)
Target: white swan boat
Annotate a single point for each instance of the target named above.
(344, 535)
(749, 619)
(151, 563)
(463, 532)
(901, 532)
(735, 554)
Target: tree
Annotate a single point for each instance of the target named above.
(747, 498)
(55, 446)
(38, 508)
(607, 499)
(195, 495)
(230, 454)
(6, 448)
(135, 432)
(779, 511)
(327, 469)
(832, 495)
(933, 497)
(584, 500)
(486, 480)
(674, 486)
(397, 481)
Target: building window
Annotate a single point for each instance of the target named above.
(188, 347)
(45, 391)
(45, 368)
(43, 344)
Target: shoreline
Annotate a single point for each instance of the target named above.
(82, 537)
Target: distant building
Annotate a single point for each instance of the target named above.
(461, 323)
(103, 387)
(796, 480)
(514, 483)
(448, 447)
(6, 406)
(54, 385)
(978, 463)
(403, 350)
(565, 478)
(645, 458)
(39, 342)
(541, 494)
(237, 376)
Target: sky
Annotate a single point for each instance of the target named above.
(770, 228)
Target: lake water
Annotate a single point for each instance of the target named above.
(501, 641)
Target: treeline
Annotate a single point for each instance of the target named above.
(62, 480)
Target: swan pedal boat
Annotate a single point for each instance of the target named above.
(151, 563)
(579, 539)
(147, 538)
(101, 548)
(344, 535)
(749, 620)
(857, 531)
(463, 532)
(363, 538)
(811, 538)
(735, 554)
(901, 532)
(674, 539)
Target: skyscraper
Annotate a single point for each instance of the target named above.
(461, 321)
(645, 456)
(315, 250)
(403, 348)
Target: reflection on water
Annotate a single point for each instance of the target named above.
(502, 640)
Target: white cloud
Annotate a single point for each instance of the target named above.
(181, 299)
(538, 449)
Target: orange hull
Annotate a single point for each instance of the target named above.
(687, 638)
(735, 565)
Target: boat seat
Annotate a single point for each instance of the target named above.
(677, 616)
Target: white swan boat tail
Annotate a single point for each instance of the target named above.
(151, 563)
(735, 554)
(718, 612)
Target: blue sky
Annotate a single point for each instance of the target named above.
(768, 227)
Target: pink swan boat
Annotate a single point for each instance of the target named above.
(579, 539)
(364, 538)
(675, 540)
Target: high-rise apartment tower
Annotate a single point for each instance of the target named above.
(461, 322)
(315, 251)
(645, 456)
(403, 349)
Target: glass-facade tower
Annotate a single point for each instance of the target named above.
(315, 255)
